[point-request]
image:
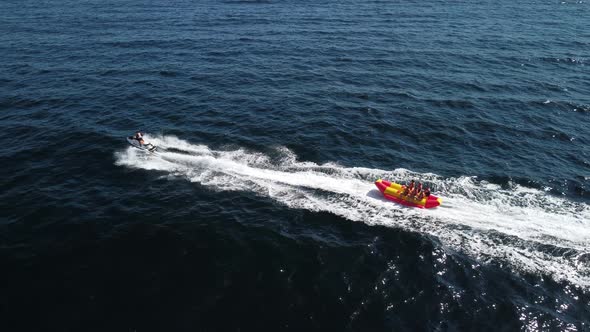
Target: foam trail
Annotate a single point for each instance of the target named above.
(523, 228)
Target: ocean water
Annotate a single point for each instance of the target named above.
(272, 120)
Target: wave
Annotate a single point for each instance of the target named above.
(523, 228)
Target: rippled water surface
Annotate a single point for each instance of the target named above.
(272, 120)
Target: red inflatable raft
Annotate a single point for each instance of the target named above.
(393, 191)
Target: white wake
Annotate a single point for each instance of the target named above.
(522, 228)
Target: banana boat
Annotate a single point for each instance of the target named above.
(393, 192)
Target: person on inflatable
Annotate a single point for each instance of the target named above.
(413, 190)
(139, 137)
(407, 190)
(424, 193)
(418, 192)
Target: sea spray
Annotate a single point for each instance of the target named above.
(523, 228)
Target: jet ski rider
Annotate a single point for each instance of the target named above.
(139, 137)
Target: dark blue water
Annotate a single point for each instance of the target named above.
(273, 119)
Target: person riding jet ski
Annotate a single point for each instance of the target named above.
(139, 137)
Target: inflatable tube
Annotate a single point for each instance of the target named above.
(393, 192)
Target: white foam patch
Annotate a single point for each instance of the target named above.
(523, 228)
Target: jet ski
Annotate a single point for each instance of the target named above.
(149, 147)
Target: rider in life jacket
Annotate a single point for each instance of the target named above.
(407, 190)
